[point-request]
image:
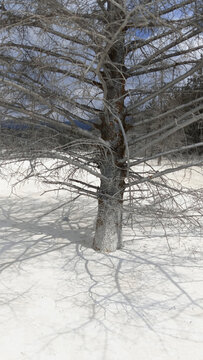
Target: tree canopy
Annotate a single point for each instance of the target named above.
(80, 75)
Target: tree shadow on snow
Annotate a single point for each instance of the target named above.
(142, 286)
(31, 228)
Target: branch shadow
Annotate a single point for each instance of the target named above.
(141, 290)
(26, 232)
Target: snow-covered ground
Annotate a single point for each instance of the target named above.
(60, 300)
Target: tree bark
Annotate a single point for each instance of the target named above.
(108, 233)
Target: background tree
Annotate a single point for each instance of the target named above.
(181, 98)
(193, 90)
(77, 77)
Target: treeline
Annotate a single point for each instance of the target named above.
(184, 101)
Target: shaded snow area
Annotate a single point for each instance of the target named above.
(60, 300)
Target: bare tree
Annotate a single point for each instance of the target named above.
(80, 75)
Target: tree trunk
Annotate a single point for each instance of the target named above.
(108, 232)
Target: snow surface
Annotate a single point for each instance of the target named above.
(60, 300)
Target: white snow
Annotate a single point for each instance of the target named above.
(60, 300)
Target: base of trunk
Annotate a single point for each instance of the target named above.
(108, 232)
